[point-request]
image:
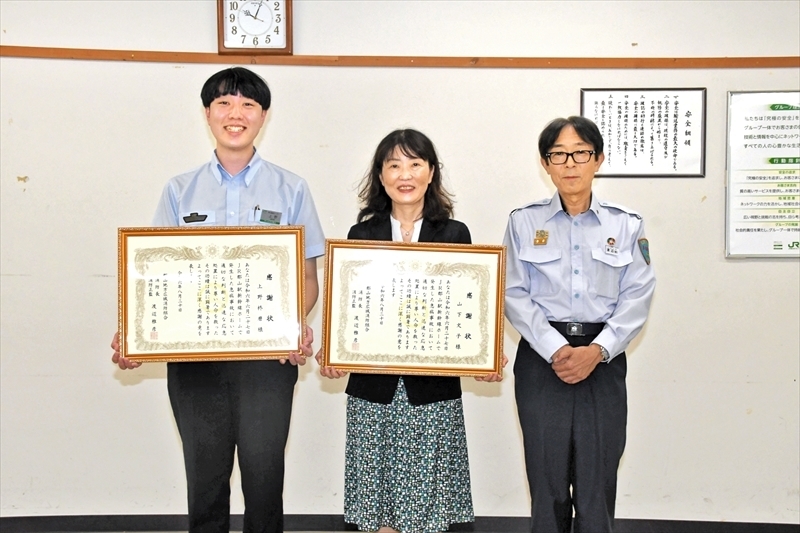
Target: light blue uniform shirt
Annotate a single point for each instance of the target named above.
(591, 269)
(260, 191)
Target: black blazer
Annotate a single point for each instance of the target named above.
(379, 388)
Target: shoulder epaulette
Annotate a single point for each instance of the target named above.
(622, 208)
(544, 201)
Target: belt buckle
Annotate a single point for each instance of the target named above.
(575, 329)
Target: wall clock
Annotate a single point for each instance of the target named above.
(248, 27)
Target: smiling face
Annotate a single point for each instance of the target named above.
(573, 180)
(406, 178)
(235, 122)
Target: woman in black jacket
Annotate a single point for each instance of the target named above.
(406, 463)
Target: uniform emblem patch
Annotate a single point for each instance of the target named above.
(644, 246)
(540, 239)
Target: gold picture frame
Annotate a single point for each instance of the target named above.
(413, 309)
(210, 293)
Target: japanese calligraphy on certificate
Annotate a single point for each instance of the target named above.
(200, 294)
(763, 200)
(649, 132)
(428, 309)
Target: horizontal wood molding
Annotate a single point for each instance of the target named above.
(404, 61)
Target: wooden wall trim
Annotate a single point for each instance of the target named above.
(405, 61)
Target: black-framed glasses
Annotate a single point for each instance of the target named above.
(579, 156)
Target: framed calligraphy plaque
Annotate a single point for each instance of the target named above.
(649, 132)
(421, 308)
(212, 293)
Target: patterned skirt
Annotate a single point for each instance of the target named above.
(406, 466)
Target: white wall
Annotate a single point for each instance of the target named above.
(713, 390)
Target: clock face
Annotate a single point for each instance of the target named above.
(255, 26)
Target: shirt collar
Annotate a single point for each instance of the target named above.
(594, 205)
(557, 207)
(247, 172)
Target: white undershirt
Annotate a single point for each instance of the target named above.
(397, 233)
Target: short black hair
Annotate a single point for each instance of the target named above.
(236, 80)
(585, 128)
(438, 202)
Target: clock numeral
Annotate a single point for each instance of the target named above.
(234, 6)
(243, 38)
(232, 17)
(277, 18)
(255, 40)
(277, 30)
(267, 39)
(234, 31)
(277, 6)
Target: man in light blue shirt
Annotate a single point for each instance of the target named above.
(578, 290)
(239, 406)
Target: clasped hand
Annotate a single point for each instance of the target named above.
(573, 365)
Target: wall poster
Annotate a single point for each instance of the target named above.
(763, 189)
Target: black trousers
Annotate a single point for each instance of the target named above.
(574, 436)
(222, 407)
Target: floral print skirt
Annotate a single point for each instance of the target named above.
(406, 466)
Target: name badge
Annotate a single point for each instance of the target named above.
(611, 249)
(269, 217)
(540, 238)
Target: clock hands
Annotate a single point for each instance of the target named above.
(247, 13)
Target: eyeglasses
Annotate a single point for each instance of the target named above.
(579, 156)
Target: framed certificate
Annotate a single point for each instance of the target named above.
(654, 133)
(421, 308)
(212, 293)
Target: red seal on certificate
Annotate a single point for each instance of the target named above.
(153, 335)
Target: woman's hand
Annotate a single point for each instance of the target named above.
(493, 378)
(123, 362)
(328, 371)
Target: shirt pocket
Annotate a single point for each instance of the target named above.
(544, 267)
(198, 218)
(607, 271)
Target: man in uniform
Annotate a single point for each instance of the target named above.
(578, 290)
(242, 406)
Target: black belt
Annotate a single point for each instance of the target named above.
(578, 329)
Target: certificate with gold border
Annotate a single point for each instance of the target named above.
(211, 293)
(421, 308)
